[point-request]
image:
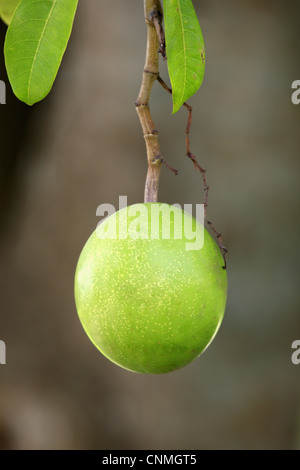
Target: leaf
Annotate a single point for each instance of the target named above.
(35, 43)
(185, 50)
(7, 8)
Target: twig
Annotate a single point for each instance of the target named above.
(157, 19)
(199, 168)
(161, 160)
(193, 157)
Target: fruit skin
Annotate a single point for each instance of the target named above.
(150, 306)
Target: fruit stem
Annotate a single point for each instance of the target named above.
(153, 18)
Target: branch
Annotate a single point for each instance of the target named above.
(199, 168)
(153, 17)
(157, 19)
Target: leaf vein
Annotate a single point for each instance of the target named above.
(38, 47)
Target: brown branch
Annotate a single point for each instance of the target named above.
(152, 11)
(161, 160)
(199, 168)
(193, 157)
(157, 19)
(187, 142)
(220, 240)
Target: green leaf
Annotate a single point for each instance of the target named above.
(35, 43)
(185, 50)
(7, 8)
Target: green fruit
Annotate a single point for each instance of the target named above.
(147, 299)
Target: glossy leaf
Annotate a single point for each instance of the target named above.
(35, 43)
(185, 50)
(7, 8)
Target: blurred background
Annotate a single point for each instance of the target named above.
(83, 146)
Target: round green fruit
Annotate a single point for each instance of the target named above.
(150, 297)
